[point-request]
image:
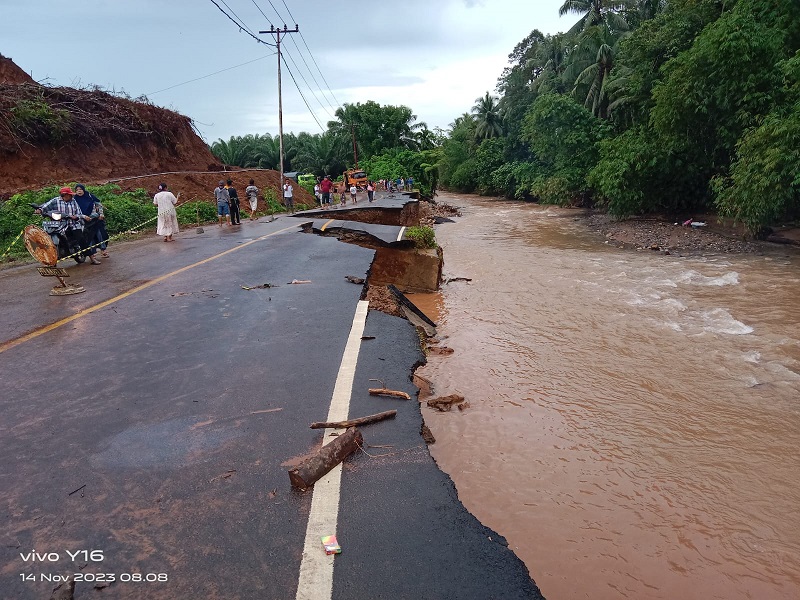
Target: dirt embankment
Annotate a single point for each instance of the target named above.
(715, 237)
(60, 135)
(200, 185)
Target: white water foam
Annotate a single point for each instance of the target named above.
(752, 357)
(695, 278)
(719, 320)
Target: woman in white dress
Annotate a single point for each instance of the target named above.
(167, 217)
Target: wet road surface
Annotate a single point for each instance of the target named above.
(155, 420)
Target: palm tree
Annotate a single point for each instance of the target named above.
(487, 117)
(591, 59)
(596, 12)
(590, 67)
(320, 154)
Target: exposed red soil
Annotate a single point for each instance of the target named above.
(11, 73)
(200, 185)
(111, 139)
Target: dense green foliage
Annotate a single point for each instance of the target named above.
(646, 106)
(124, 212)
(360, 132)
(642, 106)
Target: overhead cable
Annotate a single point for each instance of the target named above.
(241, 26)
(303, 97)
(211, 74)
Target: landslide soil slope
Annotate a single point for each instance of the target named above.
(60, 135)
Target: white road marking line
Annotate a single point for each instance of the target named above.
(316, 567)
(402, 231)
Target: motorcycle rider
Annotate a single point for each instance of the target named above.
(72, 219)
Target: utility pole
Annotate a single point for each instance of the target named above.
(355, 148)
(277, 33)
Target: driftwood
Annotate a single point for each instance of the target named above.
(445, 403)
(353, 422)
(308, 472)
(384, 392)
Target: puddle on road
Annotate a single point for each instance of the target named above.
(166, 444)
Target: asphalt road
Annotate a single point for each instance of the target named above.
(151, 422)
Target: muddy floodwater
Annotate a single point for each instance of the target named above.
(634, 420)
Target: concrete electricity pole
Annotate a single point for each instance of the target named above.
(277, 33)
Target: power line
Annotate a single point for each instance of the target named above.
(309, 87)
(210, 74)
(247, 29)
(312, 58)
(241, 26)
(300, 52)
(303, 97)
(262, 12)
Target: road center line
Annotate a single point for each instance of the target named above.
(400, 235)
(316, 567)
(86, 311)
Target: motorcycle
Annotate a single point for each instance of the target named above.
(68, 241)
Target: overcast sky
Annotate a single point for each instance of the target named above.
(434, 56)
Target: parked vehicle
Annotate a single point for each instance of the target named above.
(355, 177)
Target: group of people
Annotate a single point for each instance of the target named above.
(82, 213)
(399, 184)
(325, 191)
(228, 201)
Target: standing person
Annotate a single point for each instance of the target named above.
(410, 184)
(288, 196)
(342, 197)
(102, 233)
(318, 194)
(370, 190)
(233, 195)
(223, 203)
(86, 201)
(353, 191)
(167, 217)
(325, 187)
(252, 195)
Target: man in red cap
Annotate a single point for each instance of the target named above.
(71, 223)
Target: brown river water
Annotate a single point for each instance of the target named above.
(634, 419)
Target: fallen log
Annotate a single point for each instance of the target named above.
(353, 422)
(387, 392)
(309, 471)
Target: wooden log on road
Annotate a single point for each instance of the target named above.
(387, 392)
(353, 422)
(306, 474)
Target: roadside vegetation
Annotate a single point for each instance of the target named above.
(126, 212)
(423, 236)
(671, 107)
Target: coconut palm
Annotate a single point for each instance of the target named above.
(596, 12)
(590, 67)
(487, 117)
